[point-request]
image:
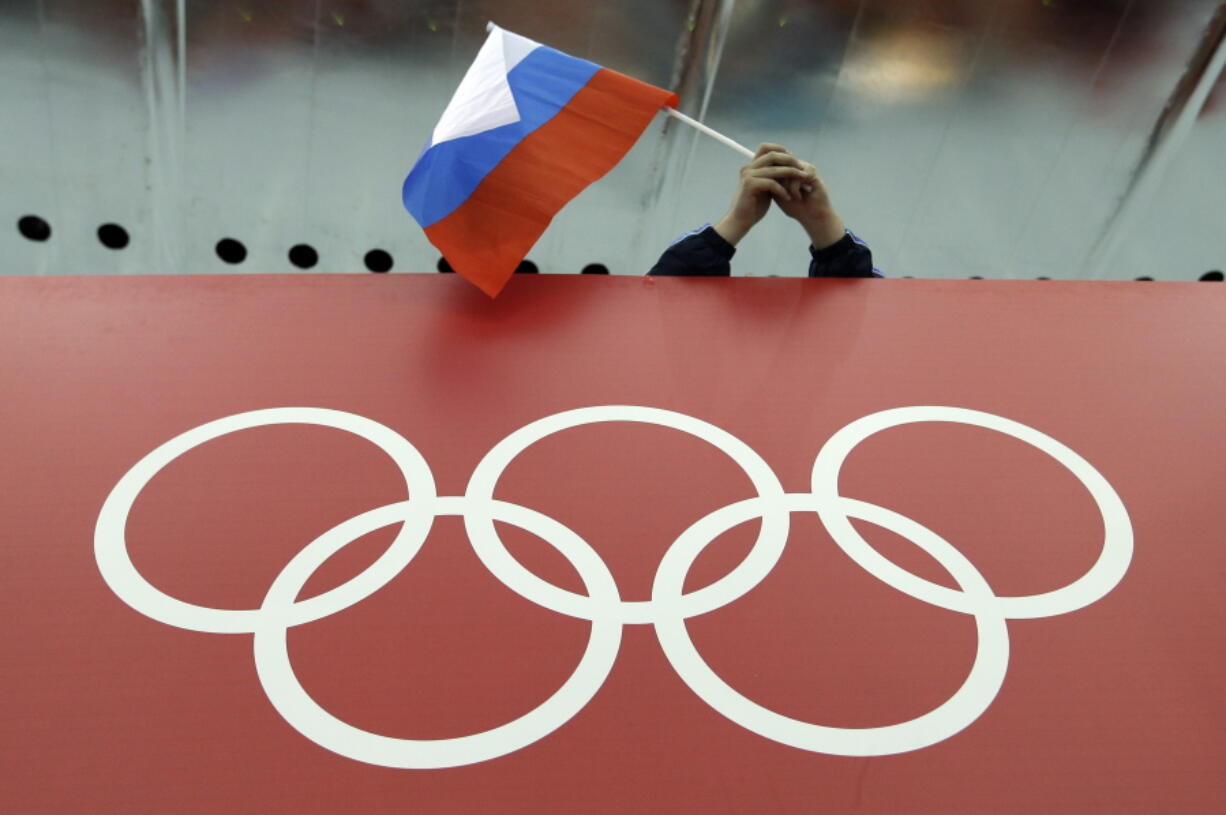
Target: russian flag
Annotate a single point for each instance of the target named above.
(528, 129)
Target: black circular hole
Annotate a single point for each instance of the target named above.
(1211, 277)
(231, 251)
(378, 261)
(113, 236)
(303, 256)
(34, 228)
(1145, 279)
(976, 277)
(1042, 278)
(595, 268)
(527, 267)
(444, 267)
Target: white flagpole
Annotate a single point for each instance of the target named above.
(701, 128)
(719, 137)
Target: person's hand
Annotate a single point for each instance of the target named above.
(809, 203)
(768, 177)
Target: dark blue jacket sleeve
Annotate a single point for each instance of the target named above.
(704, 253)
(850, 257)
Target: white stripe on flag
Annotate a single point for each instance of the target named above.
(483, 101)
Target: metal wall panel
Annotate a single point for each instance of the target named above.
(1002, 138)
(74, 147)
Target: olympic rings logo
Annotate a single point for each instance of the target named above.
(669, 607)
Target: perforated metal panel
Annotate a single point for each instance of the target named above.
(1001, 138)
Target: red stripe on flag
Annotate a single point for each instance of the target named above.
(486, 238)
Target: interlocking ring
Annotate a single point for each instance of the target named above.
(669, 607)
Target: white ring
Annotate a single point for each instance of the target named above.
(1102, 577)
(303, 713)
(115, 563)
(967, 703)
(493, 553)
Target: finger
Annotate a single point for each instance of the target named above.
(768, 147)
(776, 159)
(767, 185)
(815, 177)
(778, 173)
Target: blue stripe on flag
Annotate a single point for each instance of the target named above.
(448, 173)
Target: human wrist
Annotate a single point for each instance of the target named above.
(824, 229)
(732, 228)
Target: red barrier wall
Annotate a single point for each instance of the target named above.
(1042, 409)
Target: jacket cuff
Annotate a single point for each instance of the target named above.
(834, 250)
(717, 243)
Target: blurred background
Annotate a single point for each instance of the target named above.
(1070, 139)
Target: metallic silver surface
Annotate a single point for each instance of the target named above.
(1002, 138)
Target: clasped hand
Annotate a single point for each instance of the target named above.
(793, 185)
